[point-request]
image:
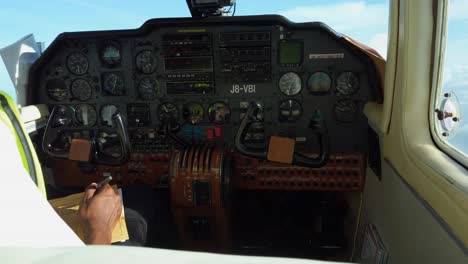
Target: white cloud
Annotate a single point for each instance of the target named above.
(342, 16)
(447, 76)
(457, 75)
(455, 79)
(458, 10)
(379, 42)
(363, 21)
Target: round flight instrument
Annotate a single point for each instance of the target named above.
(219, 113)
(347, 83)
(107, 112)
(168, 112)
(290, 110)
(57, 89)
(110, 54)
(145, 61)
(85, 115)
(77, 63)
(81, 90)
(113, 84)
(290, 83)
(345, 110)
(64, 116)
(193, 113)
(148, 88)
(319, 82)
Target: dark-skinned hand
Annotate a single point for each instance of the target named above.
(100, 211)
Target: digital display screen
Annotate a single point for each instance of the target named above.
(187, 64)
(290, 52)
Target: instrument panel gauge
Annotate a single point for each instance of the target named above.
(145, 61)
(148, 88)
(81, 90)
(113, 84)
(219, 113)
(77, 63)
(110, 54)
(107, 112)
(290, 110)
(168, 112)
(345, 110)
(290, 83)
(347, 83)
(85, 115)
(193, 113)
(64, 116)
(57, 89)
(319, 83)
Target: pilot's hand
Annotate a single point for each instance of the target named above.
(100, 211)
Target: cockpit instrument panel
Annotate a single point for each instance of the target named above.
(195, 78)
(192, 104)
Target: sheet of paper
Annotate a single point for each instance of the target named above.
(18, 58)
(67, 207)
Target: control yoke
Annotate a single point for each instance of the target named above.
(51, 134)
(299, 159)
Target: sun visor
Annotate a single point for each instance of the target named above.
(18, 58)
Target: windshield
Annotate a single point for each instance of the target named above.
(365, 21)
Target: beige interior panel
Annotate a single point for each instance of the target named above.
(410, 232)
(408, 147)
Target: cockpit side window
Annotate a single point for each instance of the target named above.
(450, 98)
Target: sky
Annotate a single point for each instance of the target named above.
(363, 20)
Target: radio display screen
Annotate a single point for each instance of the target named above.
(189, 64)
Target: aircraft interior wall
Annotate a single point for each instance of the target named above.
(406, 224)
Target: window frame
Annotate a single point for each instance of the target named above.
(438, 71)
